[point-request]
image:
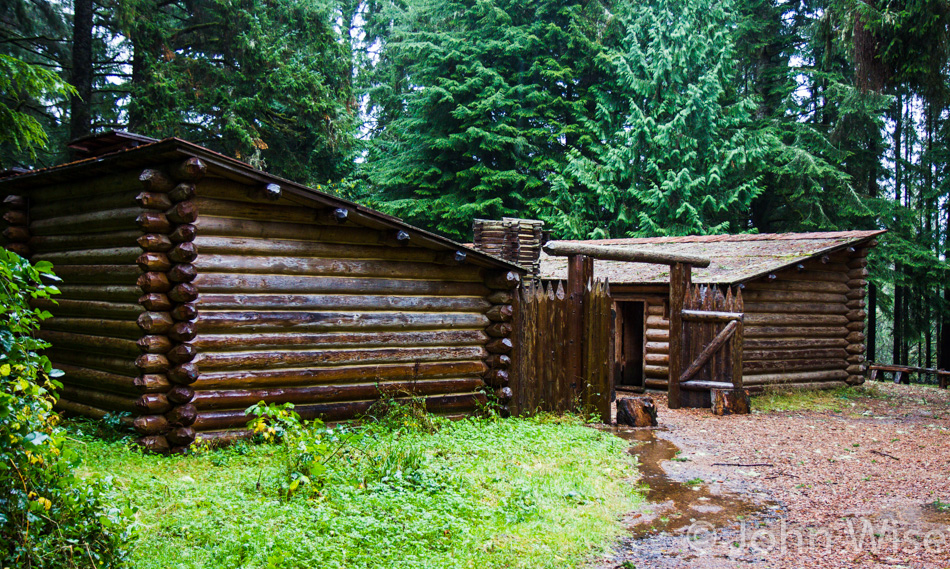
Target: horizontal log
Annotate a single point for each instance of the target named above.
(262, 211)
(656, 383)
(795, 331)
(182, 353)
(501, 297)
(182, 273)
(152, 383)
(500, 313)
(16, 233)
(100, 380)
(861, 273)
(183, 253)
(187, 311)
(505, 280)
(216, 301)
(91, 343)
(274, 284)
(154, 344)
(182, 436)
(154, 443)
(225, 419)
(114, 328)
(183, 292)
(797, 353)
(155, 242)
(153, 282)
(88, 308)
(126, 180)
(98, 274)
(657, 335)
(855, 338)
(657, 322)
(183, 192)
(182, 415)
(858, 263)
(212, 361)
(181, 394)
(497, 377)
(656, 371)
(799, 286)
(183, 332)
(155, 322)
(156, 302)
(854, 315)
(339, 374)
(856, 304)
(857, 283)
(657, 359)
(109, 220)
(856, 369)
(856, 348)
(153, 200)
(656, 309)
(101, 399)
(240, 399)
(182, 212)
(499, 346)
(112, 239)
(803, 320)
(783, 366)
(152, 363)
(786, 296)
(711, 316)
(80, 409)
(107, 256)
(498, 361)
(336, 267)
(154, 180)
(185, 233)
(792, 343)
(152, 404)
(190, 169)
(794, 307)
(15, 202)
(504, 395)
(243, 228)
(794, 377)
(211, 322)
(150, 424)
(856, 326)
(152, 261)
(838, 276)
(239, 342)
(21, 249)
(657, 347)
(103, 362)
(569, 248)
(499, 330)
(153, 222)
(856, 358)
(16, 218)
(184, 374)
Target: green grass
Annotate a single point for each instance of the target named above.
(812, 399)
(475, 493)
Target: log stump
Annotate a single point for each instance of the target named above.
(636, 412)
(730, 402)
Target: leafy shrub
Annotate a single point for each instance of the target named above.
(48, 516)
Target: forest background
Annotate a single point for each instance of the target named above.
(603, 118)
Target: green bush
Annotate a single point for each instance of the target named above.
(48, 516)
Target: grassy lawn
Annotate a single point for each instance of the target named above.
(473, 493)
(837, 400)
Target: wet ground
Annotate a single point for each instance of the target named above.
(863, 485)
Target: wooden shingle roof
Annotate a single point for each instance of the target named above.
(735, 258)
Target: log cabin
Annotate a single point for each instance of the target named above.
(194, 286)
(803, 297)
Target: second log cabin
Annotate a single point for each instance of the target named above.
(195, 286)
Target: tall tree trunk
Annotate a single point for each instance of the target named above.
(872, 322)
(898, 325)
(944, 351)
(80, 120)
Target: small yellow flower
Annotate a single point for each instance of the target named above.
(259, 427)
(45, 503)
(5, 370)
(31, 496)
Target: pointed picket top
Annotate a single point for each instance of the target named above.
(560, 291)
(740, 304)
(730, 301)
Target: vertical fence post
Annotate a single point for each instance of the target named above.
(680, 276)
(580, 271)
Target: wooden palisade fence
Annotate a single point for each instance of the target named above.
(565, 349)
(711, 344)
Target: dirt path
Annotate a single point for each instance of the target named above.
(851, 485)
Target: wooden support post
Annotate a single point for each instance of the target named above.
(580, 273)
(680, 280)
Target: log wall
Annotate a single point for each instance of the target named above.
(804, 325)
(300, 305)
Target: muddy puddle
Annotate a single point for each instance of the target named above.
(678, 506)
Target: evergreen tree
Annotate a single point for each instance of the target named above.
(474, 105)
(675, 150)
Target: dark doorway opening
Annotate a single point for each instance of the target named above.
(630, 354)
